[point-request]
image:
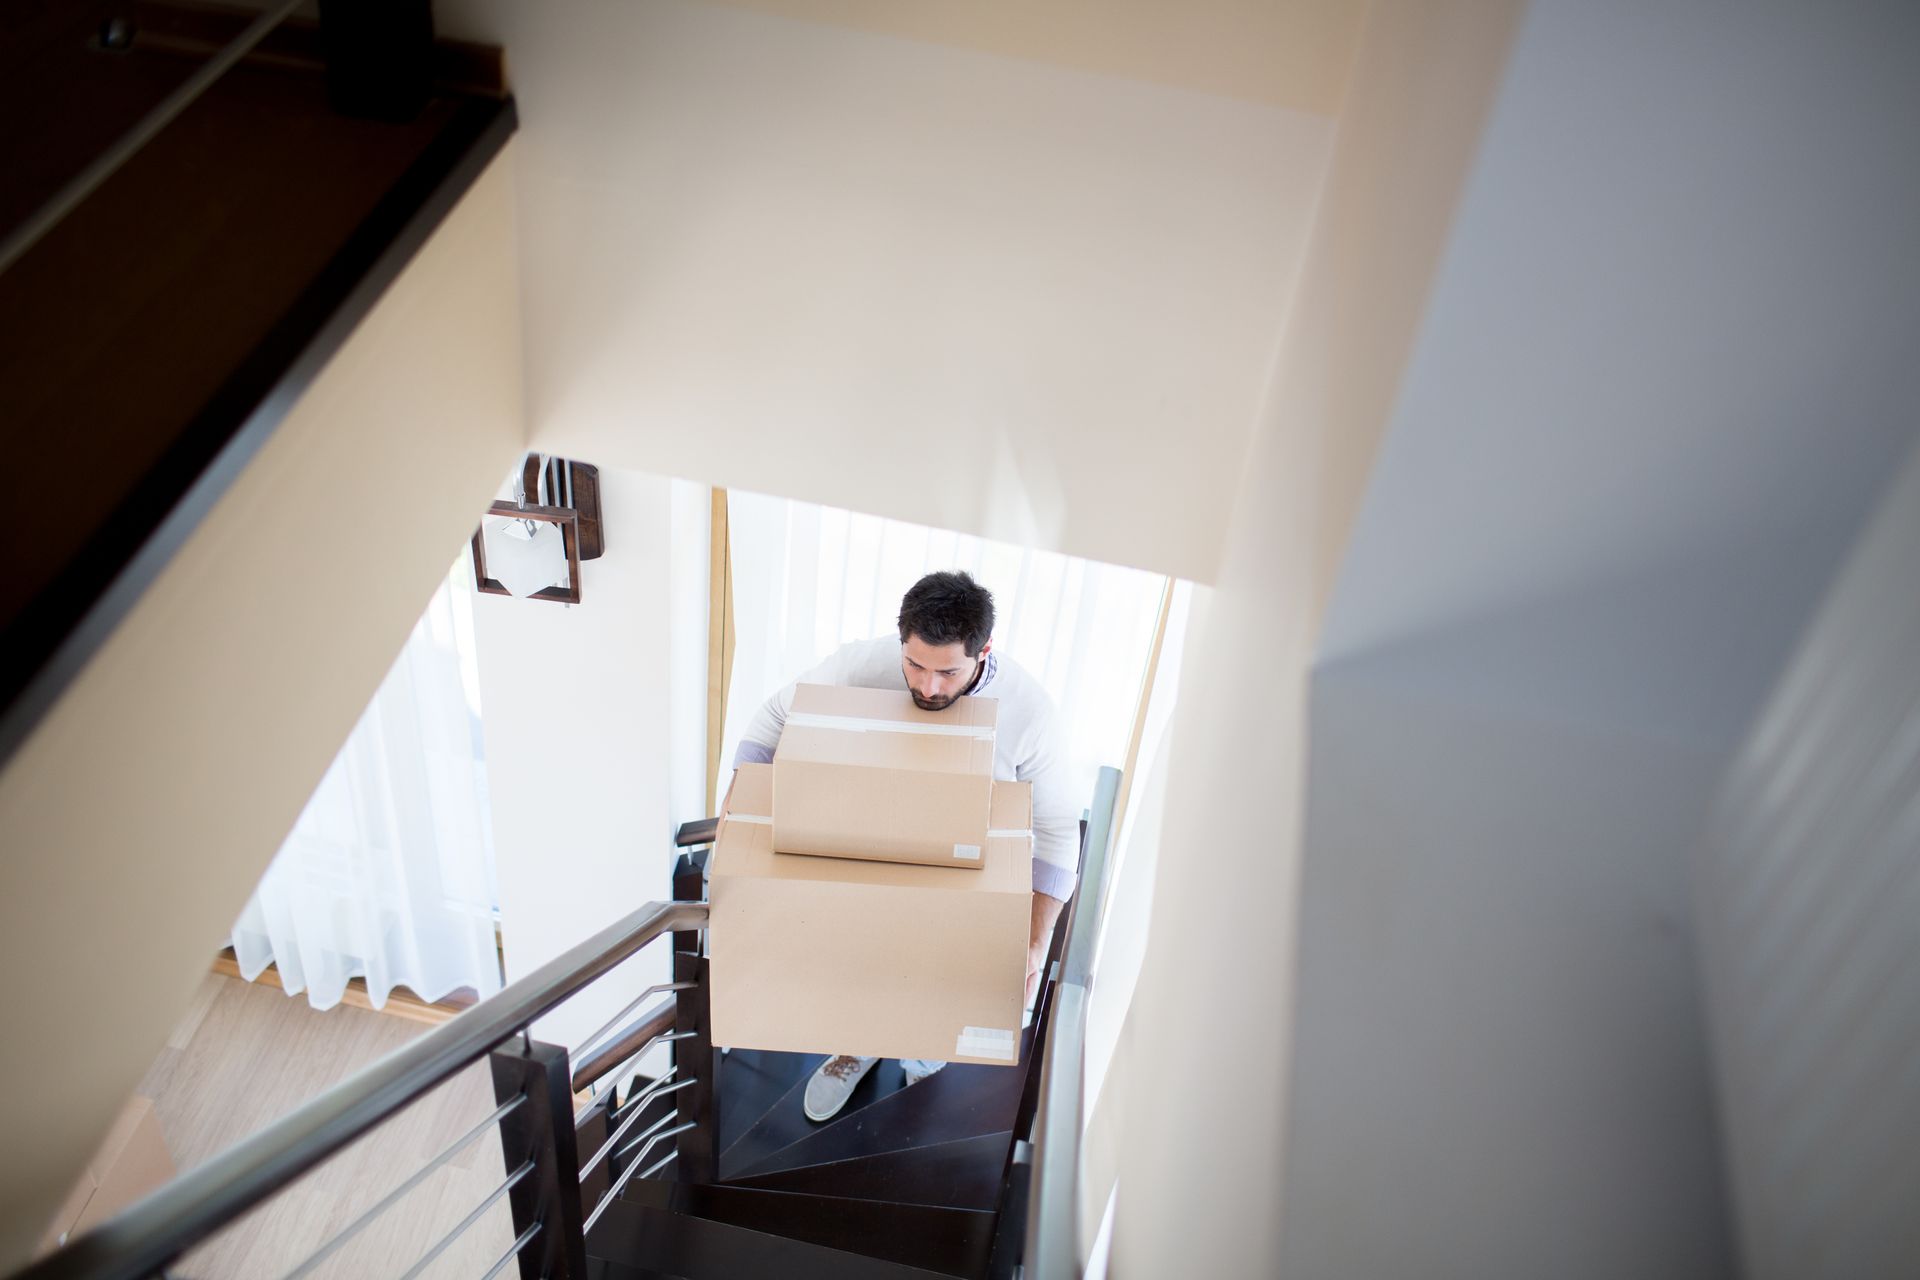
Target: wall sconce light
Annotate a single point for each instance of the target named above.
(533, 549)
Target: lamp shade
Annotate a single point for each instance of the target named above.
(525, 556)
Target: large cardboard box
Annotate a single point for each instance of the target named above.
(865, 773)
(837, 955)
(132, 1162)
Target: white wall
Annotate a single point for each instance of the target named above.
(1809, 904)
(144, 808)
(968, 290)
(1673, 335)
(1665, 370)
(594, 753)
(1500, 1065)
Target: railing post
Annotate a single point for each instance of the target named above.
(541, 1130)
(698, 1157)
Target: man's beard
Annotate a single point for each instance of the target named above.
(941, 704)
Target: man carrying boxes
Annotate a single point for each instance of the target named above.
(956, 767)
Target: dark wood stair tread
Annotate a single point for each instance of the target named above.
(963, 1174)
(753, 1125)
(720, 1231)
(752, 1081)
(608, 1269)
(962, 1101)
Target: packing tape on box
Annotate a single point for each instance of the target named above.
(756, 819)
(986, 1042)
(865, 724)
(1008, 833)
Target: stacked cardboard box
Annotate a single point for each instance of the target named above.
(854, 955)
(865, 773)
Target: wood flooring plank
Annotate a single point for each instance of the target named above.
(196, 1012)
(251, 1055)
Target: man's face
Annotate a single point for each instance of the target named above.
(937, 674)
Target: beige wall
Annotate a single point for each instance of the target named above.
(143, 810)
(1287, 53)
(1199, 1181)
(969, 290)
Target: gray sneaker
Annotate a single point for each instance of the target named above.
(833, 1084)
(914, 1070)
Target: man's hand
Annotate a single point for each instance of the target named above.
(1045, 912)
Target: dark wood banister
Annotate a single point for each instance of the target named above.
(696, 833)
(595, 1066)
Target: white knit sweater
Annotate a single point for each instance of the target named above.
(1026, 743)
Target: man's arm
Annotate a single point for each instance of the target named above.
(1056, 840)
(762, 734)
(1046, 910)
(1056, 813)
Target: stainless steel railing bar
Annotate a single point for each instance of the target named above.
(107, 163)
(653, 1090)
(613, 1139)
(661, 1163)
(513, 1251)
(626, 1175)
(1053, 1206)
(580, 1116)
(513, 1180)
(645, 1133)
(326, 1250)
(1052, 1249)
(664, 1037)
(654, 1141)
(592, 1042)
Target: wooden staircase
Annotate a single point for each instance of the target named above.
(921, 1180)
(905, 1181)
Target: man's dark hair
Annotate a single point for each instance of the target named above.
(943, 608)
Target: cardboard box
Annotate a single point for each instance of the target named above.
(836, 955)
(864, 773)
(132, 1162)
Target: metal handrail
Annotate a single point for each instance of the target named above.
(592, 1065)
(152, 1233)
(1053, 1211)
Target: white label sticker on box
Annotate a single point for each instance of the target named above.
(985, 1042)
(971, 852)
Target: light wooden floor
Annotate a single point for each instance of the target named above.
(244, 1055)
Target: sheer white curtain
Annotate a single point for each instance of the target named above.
(807, 579)
(388, 875)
